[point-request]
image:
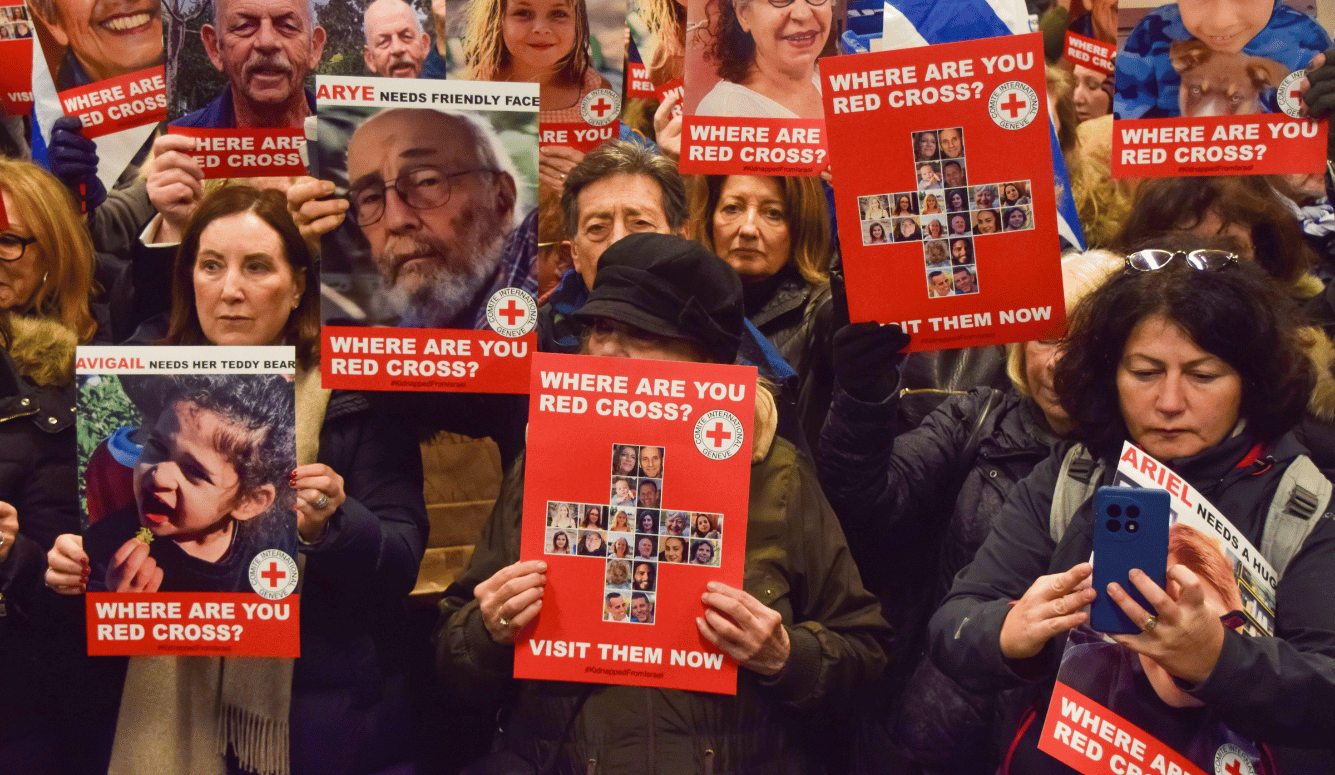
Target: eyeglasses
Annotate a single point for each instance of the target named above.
(12, 246)
(1202, 260)
(424, 188)
(786, 3)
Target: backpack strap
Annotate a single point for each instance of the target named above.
(1300, 501)
(1076, 482)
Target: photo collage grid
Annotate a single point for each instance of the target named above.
(14, 23)
(633, 533)
(945, 213)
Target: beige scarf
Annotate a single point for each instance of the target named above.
(182, 714)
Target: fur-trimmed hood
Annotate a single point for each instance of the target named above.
(43, 351)
(1322, 354)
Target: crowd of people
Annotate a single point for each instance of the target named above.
(914, 564)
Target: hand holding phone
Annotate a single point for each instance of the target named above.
(1130, 531)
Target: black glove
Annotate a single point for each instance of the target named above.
(1320, 96)
(867, 358)
(73, 159)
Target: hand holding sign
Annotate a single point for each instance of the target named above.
(745, 629)
(67, 565)
(1048, 608)
(315, 217)
(175, 184)
(1186, 637)
(319, 494)
(511, 598)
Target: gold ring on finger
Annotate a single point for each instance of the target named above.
(1150, 623)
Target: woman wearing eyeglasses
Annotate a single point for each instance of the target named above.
(1195, 358)
(916, 506)
(766, 53)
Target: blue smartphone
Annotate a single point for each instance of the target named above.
(1130, 531)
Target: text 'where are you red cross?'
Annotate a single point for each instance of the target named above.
(635, 494)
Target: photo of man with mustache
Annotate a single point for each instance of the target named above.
(266, 48)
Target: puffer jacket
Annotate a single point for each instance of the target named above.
(46, 692)
(1276, 690)
(796, 563)
(916, 506)
(798, 318)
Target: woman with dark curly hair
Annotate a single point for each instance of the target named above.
(1195, 357)
(766, 52)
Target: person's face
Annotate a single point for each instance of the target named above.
(934, 229)
(595, 516)
(787, 39)
(877, 231)
(395, 46)
(613, 339)
(926, 145)
(673, 551)
(415, 250)
(952, 145)
(959, 250)
(19, 279)
(903, 204)
(964, 282)
(1091, 101)
(651, 461)
(984, 197)
(183, 485)
(702, 524)
(925, 173)
(929, 204)
(1016, 219)
(941, 284)
(639, 609)
(1040, 359)
(642, 576)
(646, 548)
(561, 542)
(985, 221)
(906, 228)
(265, 48)
(616, 608)
(244, 288)
(616, 573)
(621, 548)
(646, 525)
(953, 174)
(110, 37)
(676, 524)
(622, 489)
(592, 541)
(703, 554)
(1012, 192)
(750, 221)
(538, 33)
(956, 199)
(649, 495)
(1176, 399)
(1225, 25)
(626, 460)
(609, 209)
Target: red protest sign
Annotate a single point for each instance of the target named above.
(1094, 54)
(578, 135)
(1264, 144)
(220, 624)
(948, 225)
(16, 53)
(635, 517)
(446, 360)
(753, 146)
(1093, 740)
(118, 103)
(246, 153)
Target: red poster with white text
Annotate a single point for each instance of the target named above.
(947, 222)
(634, 518)
(16, 53)
(245, 153)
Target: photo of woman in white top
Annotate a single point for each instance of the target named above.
(765, 52)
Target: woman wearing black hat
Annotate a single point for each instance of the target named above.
(802, 628)
(775, 232)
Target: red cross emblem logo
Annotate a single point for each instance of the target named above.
(273, 574)
(1013, 105)
(1289, 96)
(718, 434)
(600, 107)
(512, 312)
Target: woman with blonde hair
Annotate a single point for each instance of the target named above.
(46, 255)
(775, 231)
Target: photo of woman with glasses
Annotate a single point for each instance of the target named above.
(765, 54)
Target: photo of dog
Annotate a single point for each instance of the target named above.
(1216, 84)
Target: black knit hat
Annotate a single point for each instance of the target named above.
(672, 287)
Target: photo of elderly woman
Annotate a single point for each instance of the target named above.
(210, 486)
(675, 523)
(764, 54)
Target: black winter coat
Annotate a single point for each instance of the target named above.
(350, 711)
(916, 506)
(1277, 690)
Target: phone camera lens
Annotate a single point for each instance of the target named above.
(1133, 511)
(1132, 527)
(1114, 526)
(1114, 510)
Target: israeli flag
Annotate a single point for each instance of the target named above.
(910, 23)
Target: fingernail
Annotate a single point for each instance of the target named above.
(712, 586)
(326, 187)
(542, 566)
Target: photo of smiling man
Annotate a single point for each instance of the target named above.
(86, 41)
